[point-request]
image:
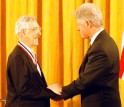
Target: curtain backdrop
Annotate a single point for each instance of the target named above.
(61, 48)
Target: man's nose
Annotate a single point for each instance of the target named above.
(78, 28)
(39, 32)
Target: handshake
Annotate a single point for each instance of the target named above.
(57, 89)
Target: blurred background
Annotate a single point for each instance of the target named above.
(61, 48)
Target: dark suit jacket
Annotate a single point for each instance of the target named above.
(98, 75)
(25, 86)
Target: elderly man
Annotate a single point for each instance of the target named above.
(26, 84)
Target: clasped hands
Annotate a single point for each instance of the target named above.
(56, 88)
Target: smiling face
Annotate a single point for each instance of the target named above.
(31, 33)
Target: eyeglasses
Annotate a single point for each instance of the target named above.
(35, 29)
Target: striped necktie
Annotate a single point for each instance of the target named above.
(35, 62)
(34, 58)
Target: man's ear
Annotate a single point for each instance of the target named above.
(89, 24)
(23, 33)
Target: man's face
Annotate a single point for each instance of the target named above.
(32, 33)
(83, 28)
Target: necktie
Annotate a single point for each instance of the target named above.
(34, 58)
(35, 62)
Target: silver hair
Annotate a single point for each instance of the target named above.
(22, 23)
(89, 12)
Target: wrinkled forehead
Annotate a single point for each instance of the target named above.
(31, 25)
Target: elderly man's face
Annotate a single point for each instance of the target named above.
(32, 33)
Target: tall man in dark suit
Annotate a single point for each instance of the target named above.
(26, 85)
(98, 73)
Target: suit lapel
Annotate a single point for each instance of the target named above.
(82, 67)
(85, 60)
(34, 68)
(40, 78)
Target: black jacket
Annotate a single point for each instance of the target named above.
(25, 86)
(98, 75)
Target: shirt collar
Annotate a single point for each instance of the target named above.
(95, 35)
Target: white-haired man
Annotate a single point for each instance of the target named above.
(26, 85)
(98, 74)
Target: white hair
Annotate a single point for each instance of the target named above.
(89, 12)
(22, 23)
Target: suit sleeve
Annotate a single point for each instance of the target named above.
(94, 69)
(23, 81)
